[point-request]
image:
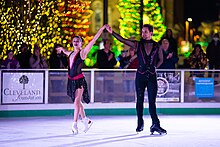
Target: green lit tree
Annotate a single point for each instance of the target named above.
(130, 17)
(135, 13)
(152, 15)
(129, 22)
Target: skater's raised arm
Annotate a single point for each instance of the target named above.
(131, 43)
(86, 50)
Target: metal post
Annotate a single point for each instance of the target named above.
(0, 86)
(92, 85)
(46, 96)
(105, 7)
(182, 86)
(105, 17)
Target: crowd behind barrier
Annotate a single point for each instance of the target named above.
(106, 86)
(31, 78)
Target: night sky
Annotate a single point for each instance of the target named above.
(201, 10)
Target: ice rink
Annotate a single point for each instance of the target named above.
(110, 131)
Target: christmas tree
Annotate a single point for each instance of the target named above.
(135, 13)
(152, 15)
(129, 20)
(130, 17)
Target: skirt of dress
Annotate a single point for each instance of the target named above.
(73, 85)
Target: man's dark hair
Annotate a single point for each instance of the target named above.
(150, 27)
(216, 35)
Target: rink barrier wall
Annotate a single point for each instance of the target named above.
(46, 109)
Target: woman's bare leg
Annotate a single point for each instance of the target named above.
(78, 109)
(78, 106)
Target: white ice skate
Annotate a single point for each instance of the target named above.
(87, 124)
(75, 129)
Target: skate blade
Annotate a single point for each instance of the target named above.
(75, 132)
(86, 130)
(160, 133)
(140, 132)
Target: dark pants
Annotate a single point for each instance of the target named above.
(141, 82)
(213, 66)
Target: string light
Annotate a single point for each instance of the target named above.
(42, 23)
(48, 22)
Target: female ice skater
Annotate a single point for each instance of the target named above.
(77, 86)
(148, 53)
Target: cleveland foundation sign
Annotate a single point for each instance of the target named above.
(22, 87)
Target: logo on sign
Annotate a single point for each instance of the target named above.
(163, 86)
(23, 80)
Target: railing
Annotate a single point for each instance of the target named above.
(107, 86)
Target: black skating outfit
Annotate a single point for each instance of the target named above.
(76, 79)
(145, 77)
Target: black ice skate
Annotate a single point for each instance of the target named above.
(158, 129)
(140, 126)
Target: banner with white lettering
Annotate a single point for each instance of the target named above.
(22, 87)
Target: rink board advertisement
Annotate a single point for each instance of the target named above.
(168, 87)
(204, 87)
(22, 87)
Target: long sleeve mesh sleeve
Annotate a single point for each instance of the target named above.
(131, 43)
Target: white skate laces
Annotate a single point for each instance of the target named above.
(87, 124)
(75, 128)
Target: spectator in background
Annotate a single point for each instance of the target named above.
(123, 58)
(24, 56)
(10, 62)
(36, 61)
(106, 60)
(58, 61)
(132, 59)
(213, 54)
(125, 55)
(132, 63)
(197, 60)
(169, 58)
(172, 41)
(105, 57)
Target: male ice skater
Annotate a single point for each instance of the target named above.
(148, 52)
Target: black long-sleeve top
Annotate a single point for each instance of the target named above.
(148, 52)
